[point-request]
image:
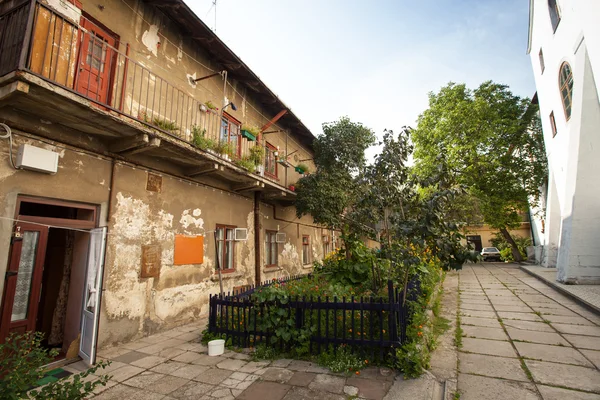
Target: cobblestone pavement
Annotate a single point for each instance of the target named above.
(523, 339)
(174, 365)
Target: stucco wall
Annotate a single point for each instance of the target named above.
(133, 306)
(487, 233)
(572, 216)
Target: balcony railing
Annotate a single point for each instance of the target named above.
(74, 55)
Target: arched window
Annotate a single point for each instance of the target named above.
(554, 14)
(566, 88)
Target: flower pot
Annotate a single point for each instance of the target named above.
(260, 170)
(299, 170)
(203, 108)
(216, 347)
(248, 135)
(292, 188)
(284, 163)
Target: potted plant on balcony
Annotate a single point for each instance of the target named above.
(209, 104)
(292, 188)
(250, 132)
(301, 168)
(282, 160)
(247, 163)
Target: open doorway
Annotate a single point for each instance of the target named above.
(46, 277)
(59, 311)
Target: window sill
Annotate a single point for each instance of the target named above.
(307, 266)
(233, 274)
(274, 268)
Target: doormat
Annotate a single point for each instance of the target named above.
(52, 376)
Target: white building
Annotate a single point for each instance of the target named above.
(564, 44)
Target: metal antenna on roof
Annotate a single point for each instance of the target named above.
(215, 5)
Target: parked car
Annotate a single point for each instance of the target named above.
(490, 254)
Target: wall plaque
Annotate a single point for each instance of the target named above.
(151, 255)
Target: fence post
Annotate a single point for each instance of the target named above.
(392, 313)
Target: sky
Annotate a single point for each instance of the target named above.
(374, 61)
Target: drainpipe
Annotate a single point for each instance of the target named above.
(111, 191)
(257, 238)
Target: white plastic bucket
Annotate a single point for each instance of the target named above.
(216, 347)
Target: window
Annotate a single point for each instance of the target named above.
(326, 245)
(226, 246)
(230, 132)
(542, 65)
(566, 88)
(305, 250)
(271, 248)
(270, 161)
(553, 124)
(554, 14)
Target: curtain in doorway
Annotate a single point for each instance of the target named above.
(60, 311)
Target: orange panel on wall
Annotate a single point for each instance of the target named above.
(188, 250)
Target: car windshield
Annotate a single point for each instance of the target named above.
(490, 250)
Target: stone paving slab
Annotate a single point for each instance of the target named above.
(554, 393)
(593, 356)
(521, 335)
(487, 322)
(568, 376)
(472, 387)
(584, 342)
(484, 332)
(489, 347)
(492, 366)
(557, 354)
(578, 329)
(528, 325)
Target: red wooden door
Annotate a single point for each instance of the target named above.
(96, 62)
(23, 279)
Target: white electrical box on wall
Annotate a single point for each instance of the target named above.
(37, 159)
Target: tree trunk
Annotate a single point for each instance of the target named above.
(515, 249)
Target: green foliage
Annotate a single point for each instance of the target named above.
(333, 189)
(22, 366)
(263, 352)
(225, 148)
(490, 141)
(257, 154)
(200, 140)
(165, 125)
(342, 360)
(254, 130)
(209, 104)
(302, 167)
(247, 163)
(505, 248)
(422, 333)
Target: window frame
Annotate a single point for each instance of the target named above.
(231, 121)
(568, 85)
(326, 245)
(555, 15)
(306, 260)
(224, 248)
(542, 62)
(553, 124)
(270, 157)
(269, 246)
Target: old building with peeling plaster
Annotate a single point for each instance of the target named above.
(107, 233)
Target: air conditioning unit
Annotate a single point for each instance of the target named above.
(241, 234)
(37, 159)
(280, 237)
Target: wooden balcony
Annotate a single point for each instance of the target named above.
(60, 81)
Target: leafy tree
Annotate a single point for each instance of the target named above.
(331, 192)
(490, 141)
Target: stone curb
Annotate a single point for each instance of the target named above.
(554, 285)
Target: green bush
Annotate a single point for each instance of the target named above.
(22, 366)
(501, 244)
